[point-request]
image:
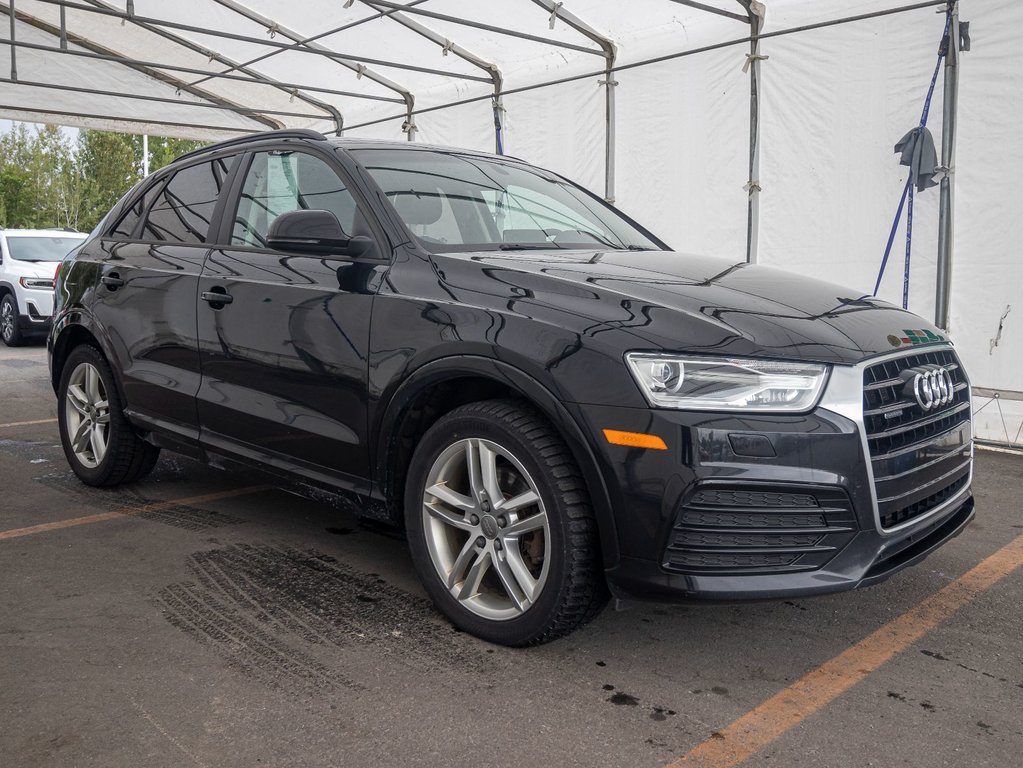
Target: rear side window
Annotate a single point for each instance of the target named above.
(126, 226)
(279, 182)
(184, 208)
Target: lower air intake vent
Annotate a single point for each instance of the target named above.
(739, 529)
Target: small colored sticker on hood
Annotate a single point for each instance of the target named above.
(914, 337)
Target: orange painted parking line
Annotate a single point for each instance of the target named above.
(28, 423)
(128, 512)
(763, 725)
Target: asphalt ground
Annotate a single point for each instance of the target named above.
(207, 618)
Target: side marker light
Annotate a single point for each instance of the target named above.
(634, 440)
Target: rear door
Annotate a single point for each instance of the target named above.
(284, 363)
(150, 263)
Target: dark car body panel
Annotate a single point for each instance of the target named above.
(312, 367)
(677, 301)
(291, 379)
(150, 322)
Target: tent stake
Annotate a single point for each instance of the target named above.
(946, 205)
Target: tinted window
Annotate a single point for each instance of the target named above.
(184, 208)
(126, 226)
(278, 182)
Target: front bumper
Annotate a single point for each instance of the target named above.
(37, 312)
(752, 507)
(866, 560)
(34, 326)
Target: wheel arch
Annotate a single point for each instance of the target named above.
(71, 331)
(414, 407)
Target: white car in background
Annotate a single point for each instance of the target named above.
(28, 262)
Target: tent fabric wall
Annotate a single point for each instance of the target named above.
(113, 112)
(834, 102)
(987, 277)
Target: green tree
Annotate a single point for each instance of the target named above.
(46, 180)
(163, 149)
(107, 165)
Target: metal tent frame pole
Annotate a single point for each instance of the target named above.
(946, 204)
(14, 50)
(755, 17)
(607, 48)
(312, 38)
(206, 74)
(100, 6)
(718, 11)
(447, 46)
(478, 25)
(92, 50)
(659, 59)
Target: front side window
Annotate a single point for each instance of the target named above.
(279, 182)
(41, 248)
(184, 208)
(454, 202)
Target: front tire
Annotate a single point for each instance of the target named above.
(500, 526)
(99, 443)
(10, 333)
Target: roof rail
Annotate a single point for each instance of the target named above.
(284, 133)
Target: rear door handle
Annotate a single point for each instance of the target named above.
(113, 281)
(217, 297)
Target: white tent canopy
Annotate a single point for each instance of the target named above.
(648, 101)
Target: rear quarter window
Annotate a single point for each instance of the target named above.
(129, 221)
(183, 209)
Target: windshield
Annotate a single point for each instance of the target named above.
(454, 202)
(41, 248)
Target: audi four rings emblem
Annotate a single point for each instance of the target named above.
(931, 386)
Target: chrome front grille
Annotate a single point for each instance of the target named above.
(920, 458)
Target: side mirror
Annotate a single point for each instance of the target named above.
(314, 232)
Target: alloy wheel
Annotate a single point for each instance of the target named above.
(487, 531)
(87, 415)
(7, 320)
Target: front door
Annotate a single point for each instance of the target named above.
(283, 337)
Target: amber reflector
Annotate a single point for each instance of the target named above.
(634, 440)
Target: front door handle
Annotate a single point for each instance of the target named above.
(112, 280)
(217, 296)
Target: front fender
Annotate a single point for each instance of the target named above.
(437, 371)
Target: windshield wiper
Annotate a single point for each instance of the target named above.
(528, 246)
(639, 248)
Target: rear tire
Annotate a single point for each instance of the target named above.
(99, 442)
(500, 525)
(10, 333)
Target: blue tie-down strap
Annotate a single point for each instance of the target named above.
(916, 150)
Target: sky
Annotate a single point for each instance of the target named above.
(5, 127)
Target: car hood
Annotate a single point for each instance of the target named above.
(31, 268)
(683, 302)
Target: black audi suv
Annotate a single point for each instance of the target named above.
(553, 404)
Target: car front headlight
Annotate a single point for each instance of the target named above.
(37, 283)
(727, 384)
